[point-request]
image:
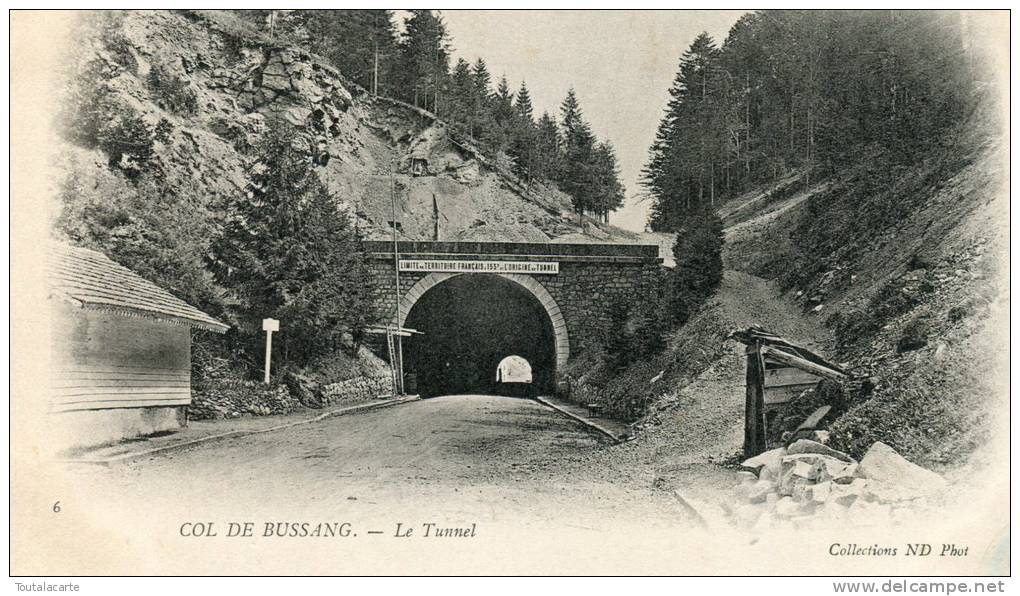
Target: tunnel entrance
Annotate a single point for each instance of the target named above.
(471, 323)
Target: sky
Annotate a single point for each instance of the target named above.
(621, 63)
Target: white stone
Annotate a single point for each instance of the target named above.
(887, 468)
(820, 492)
(803, 469)
(847, 474)
(789, 482)
(809, 446)
(745, 477)
(846, 495)
(770, 459)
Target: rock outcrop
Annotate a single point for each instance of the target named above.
(198, 88)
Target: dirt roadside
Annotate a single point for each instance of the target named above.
(691, 431)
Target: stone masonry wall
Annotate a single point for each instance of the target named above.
(584, 291)
(234, 398)
(356, 390)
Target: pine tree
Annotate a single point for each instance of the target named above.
(522, 105)
(805, 93)
(362, 44)
(424, 59)
(481, 109)
(462, 99)
(571, 117)
(523, 136)
(414, 67)
(502, 106)
(608, 192)
(503, 101)
(482, 78)
(742, 58)
(699, 268)
(575, 173)
(547, 143)
(287, 252)
(691, 143)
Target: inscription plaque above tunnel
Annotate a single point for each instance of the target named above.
(457, 266)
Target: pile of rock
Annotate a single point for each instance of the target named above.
(223, 398)
(809, 484)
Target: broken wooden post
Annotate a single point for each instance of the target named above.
(806, 428)
(754, 404)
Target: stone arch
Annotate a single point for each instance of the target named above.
(559, 324)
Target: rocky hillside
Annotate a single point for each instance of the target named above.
(901, 276)
(180, 97)
(908, 274)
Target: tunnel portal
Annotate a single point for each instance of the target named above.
(470, 323)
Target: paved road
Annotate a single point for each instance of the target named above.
(461, 456)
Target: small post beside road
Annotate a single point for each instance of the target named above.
(393, 334)
(269, 326)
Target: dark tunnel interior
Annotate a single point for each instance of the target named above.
(470, 323)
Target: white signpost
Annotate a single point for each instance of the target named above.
(269, 326)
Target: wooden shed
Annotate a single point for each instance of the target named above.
(121, 350)
(778, 371)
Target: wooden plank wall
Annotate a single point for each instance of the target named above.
(783, 383)
(769, 385)
(112, 361)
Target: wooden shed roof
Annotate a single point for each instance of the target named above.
(92, 280)
(755, 334)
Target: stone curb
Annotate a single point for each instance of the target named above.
(240, 433)
(585, 421)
